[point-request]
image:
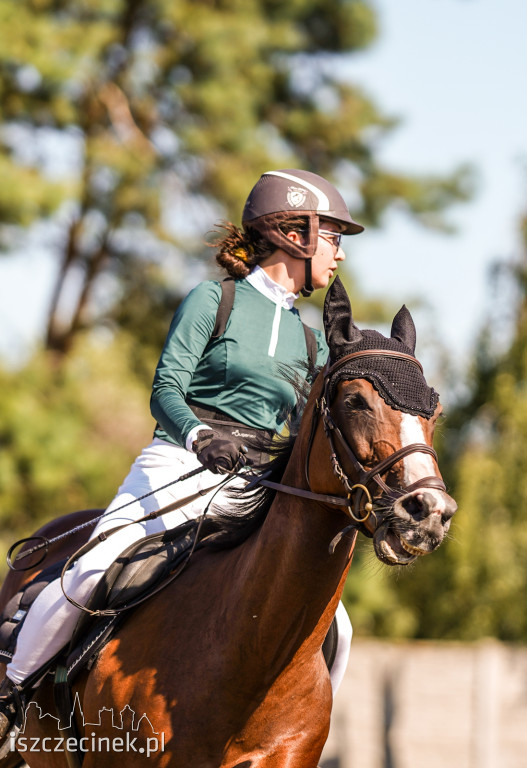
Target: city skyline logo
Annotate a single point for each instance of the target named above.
(123, 733)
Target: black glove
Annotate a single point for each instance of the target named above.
(217, 454)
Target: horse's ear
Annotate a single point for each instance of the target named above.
(340, 329)
(403, 328)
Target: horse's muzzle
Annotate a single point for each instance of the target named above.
(415, 526)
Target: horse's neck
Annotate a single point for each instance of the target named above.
(292, 548)
(306, 528)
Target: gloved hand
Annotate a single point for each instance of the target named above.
(218, 454)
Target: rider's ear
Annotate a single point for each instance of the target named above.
(340, 329)
(294, 236)
(403, 328)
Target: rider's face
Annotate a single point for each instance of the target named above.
(327, 256)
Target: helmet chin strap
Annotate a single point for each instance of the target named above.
(308, 288)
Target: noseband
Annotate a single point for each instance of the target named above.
(365, 476)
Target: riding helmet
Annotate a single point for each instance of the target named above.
(300, 193)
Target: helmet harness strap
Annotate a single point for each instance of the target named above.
(294, 193)
(308, 288)
(267, 227)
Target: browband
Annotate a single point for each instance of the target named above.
(372, 353)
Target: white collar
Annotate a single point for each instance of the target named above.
(260, 280)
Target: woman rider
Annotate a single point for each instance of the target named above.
(290, 243)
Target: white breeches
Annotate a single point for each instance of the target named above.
(345, 633)
(52, 619)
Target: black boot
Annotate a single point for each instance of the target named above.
(9, 699)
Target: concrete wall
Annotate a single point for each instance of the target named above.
(431, 705)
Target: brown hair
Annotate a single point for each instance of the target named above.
(239, 251)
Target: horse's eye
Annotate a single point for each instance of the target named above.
(356, 402)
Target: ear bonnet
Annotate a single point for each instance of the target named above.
(399, 382)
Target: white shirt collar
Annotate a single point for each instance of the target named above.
(260, 280)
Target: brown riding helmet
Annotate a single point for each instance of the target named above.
(299, 193)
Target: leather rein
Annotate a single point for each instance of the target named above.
(355, 491)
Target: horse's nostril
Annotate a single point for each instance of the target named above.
(421, 505)
(413, 505)
(450, 509)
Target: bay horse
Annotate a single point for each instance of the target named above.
(226, 661)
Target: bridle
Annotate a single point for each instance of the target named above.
(351, 502)
(375, 473)
(356, 490)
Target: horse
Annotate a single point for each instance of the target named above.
(226, 661)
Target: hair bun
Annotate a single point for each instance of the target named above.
(241, 253)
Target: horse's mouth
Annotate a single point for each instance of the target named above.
(392, 548)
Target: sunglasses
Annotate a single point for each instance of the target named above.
(331, 237)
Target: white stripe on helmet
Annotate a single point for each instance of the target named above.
(323, 200)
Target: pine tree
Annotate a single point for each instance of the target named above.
(167, 112)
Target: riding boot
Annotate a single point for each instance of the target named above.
(9, 698)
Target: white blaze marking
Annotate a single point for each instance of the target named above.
(417, 465)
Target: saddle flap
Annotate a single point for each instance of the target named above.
(141, 567)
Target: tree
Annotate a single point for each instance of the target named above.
(169, 112)
(132, 126)
(68, 433)
(489, 561)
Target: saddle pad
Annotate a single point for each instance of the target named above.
(13, 616)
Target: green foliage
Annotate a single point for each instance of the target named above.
(425, 198)
(472, 587)
(489, 566)
(25, 195)
(68, 434)
(175, 108)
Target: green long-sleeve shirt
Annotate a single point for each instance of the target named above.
(239, 373)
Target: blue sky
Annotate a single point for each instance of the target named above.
(454, 72)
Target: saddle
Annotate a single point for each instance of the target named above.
(140, 571)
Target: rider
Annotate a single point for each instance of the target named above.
(292, 223)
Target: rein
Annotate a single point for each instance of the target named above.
(45, 543)
(351, 502)
(104, 535)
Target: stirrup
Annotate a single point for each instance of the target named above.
(10, 703)
(9, 745)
